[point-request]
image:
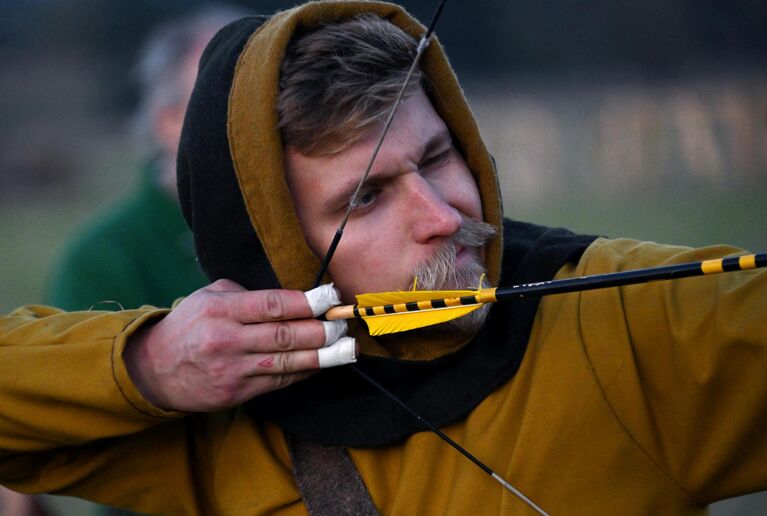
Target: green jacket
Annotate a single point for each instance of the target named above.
(139, 253)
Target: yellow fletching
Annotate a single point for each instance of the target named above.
(391, 298)
(403, 318)
(393, 323)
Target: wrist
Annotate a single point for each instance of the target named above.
(138, 363)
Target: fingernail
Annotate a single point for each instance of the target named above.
(340, 353)
(334, 330)
(322, 298)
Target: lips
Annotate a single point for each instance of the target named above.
(461, 255)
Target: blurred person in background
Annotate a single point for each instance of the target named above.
(141, 252)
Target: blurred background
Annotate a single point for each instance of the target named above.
(621, 118)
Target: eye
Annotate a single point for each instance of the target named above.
(436, 160)
(366, 198)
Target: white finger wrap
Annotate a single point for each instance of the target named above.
(340, 353)
(322, 298)
(334, 330)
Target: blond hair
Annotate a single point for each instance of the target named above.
(340, 80)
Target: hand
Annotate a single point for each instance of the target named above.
(224, 345)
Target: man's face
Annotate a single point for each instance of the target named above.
(411, 205)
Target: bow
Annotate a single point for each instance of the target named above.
(422, 45)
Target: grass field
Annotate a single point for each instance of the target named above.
(34, 229)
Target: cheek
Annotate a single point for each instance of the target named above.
(472, 201)
(460, 191)
(314, 239)
(373, 255)
(318, 229)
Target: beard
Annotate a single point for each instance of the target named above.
(441, 273)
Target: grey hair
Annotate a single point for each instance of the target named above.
(161, 59)
(440, 272)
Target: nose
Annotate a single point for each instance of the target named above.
(433, 216)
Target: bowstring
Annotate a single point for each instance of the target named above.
(422, 45)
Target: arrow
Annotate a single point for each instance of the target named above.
(392, 312)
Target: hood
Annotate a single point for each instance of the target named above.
(231, 179)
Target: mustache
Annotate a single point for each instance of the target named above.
(474, 233)
(439, 272)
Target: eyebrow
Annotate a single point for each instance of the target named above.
(344, 196)
(436, 141)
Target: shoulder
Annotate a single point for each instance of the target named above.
(616, 254)
(532, 252)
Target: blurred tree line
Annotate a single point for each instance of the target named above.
(651, 38)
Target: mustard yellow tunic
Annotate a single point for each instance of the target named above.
(645, 399)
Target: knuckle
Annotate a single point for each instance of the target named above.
(274, 305)
(280, 381)
(284, 362)
(284, 337)
(211, 306)
(222, 284)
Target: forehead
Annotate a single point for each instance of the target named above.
(415, 129)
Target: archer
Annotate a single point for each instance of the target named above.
(646, 398)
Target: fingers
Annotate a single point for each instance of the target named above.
(288, 347)
(322, 298)
(283, 363)
(268, 305)
(290, 335)
(334, 330)
(279, 305)
(270, 372)
(342, 352)
(223, 345)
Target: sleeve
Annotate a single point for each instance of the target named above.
(683, 364)
(70, 410)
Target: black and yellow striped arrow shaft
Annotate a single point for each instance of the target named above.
(441, 306)
(616, 279)
(480, 297)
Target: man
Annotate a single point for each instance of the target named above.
(140, 252)
(617, 400)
